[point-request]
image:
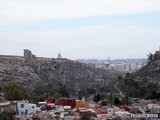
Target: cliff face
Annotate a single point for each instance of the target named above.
(144, 83)
(14, 69)
(52, 71)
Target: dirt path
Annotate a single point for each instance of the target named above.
(120, 92)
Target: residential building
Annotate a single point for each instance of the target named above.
(4, 105)
(24, 108)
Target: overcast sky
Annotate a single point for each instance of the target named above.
(80, 29)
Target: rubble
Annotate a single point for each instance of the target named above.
(39, 116)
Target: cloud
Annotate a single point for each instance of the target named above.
(87, 42)
(23, 11)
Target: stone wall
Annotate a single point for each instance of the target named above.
(157, 55)
(29, 57)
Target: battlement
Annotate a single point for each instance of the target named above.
(28, 56)
(157, 55)
(28, 53)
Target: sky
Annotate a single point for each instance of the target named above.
(80, 29)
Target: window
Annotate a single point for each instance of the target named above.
(22, 105)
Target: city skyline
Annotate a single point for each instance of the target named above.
(80, 29)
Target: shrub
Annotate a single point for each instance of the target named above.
(7, 115)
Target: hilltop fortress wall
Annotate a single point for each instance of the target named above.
(29, 57)
(157, 55)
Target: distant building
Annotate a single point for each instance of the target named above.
(127, 67)
(99, 65)
(119, 67)
(59, 56)
(133, 67)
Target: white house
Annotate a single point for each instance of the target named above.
(24, 108)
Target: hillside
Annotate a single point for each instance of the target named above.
(14, 69)
(32, 71)
(144, 83)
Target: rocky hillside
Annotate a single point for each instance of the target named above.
(150, 73)
(144, 83)
(14, 69)
(44, 71)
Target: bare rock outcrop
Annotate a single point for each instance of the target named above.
(31, 71)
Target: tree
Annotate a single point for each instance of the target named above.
(104, 103)
(97, 98)
(90, 90)
(128, 75)
(150, 57)
(7, 115)
(15, 92)
(57, 95)
(117, 101)
(120, 78)
(126, 101)
(64, 91)
(79, 95)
